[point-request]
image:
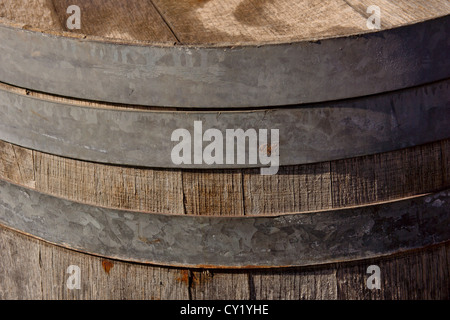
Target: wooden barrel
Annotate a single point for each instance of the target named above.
(134, 147)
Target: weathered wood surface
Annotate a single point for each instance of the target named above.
(219, 21)
(295, 189)
(32, 269)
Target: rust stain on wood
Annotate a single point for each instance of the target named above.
(188, 278)
(107, 265)
(184, 277)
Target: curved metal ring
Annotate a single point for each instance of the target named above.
(215, 77)
(307, 134)
(225, 242)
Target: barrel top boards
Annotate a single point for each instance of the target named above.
(219, 22)
(223, 54)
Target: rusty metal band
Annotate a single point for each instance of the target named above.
(229, 242)
(235, 77)
(308, 134)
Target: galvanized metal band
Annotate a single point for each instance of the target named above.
(247, 76)
(224, 242)
(308, 134)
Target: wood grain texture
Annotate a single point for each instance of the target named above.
(277, 21)
(394, 13)
(109, 186)
(38, 14)
(418, 275)
(196, 22)
(20, 274)
(234, 22)
(213, 191)
(117, 19)
(295, 284)
(16, 164)
(387, 175)
(304, 188)
(292, 189)
(32, 269)
(219, 285)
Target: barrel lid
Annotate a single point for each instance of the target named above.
(219, 22)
